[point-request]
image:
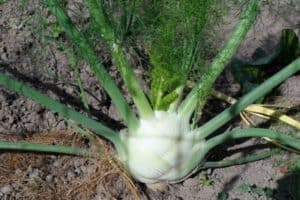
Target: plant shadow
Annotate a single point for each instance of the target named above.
(289, 186)
(63, 96)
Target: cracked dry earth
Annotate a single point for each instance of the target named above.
(37, 176)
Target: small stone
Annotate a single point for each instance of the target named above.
(77, 171)
(210, 171)
(61, 125)
(35, 174)
(57, 163)
(18, 196)
(18, 171)
(90, 170)
(77, 163)
(70, 176)
(36, 107)
(10, 119)
(113, 113)
(6, 189)
(29, 126)
(56, 180)
(83, 169)
(49, 178)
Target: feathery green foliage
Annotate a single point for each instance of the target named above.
(175, 46)
(173, 34)
(204, 85)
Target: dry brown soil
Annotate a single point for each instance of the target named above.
(37, 176)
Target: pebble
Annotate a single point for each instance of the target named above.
(6, 189)
(18, 171)
(56, 180)
(83, 169)
(34, 174)
(77, 163)
(49, 178)
(70, 176)
(57, 163)
(77, 170)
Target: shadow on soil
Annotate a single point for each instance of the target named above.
(64, 97)
(289, 186)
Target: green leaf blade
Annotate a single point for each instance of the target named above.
(61, 109)
(87, 52)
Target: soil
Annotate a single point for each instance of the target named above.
(24, 55)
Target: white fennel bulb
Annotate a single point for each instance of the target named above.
(160, 148)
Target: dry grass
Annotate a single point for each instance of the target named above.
(27, 173)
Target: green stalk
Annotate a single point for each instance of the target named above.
(240, 161)
(251, 97)
(63, 110)
(87, 52)
(61, 149)
(198, 156)
(81, 131)
(74, 66)
(109, 34)
(203, 87)
(254, 132)
(81, 91)
(193, 167)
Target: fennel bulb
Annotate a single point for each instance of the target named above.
(160, 148)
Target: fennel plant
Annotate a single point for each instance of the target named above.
(161, 142)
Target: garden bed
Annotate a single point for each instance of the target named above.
(40, 176)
